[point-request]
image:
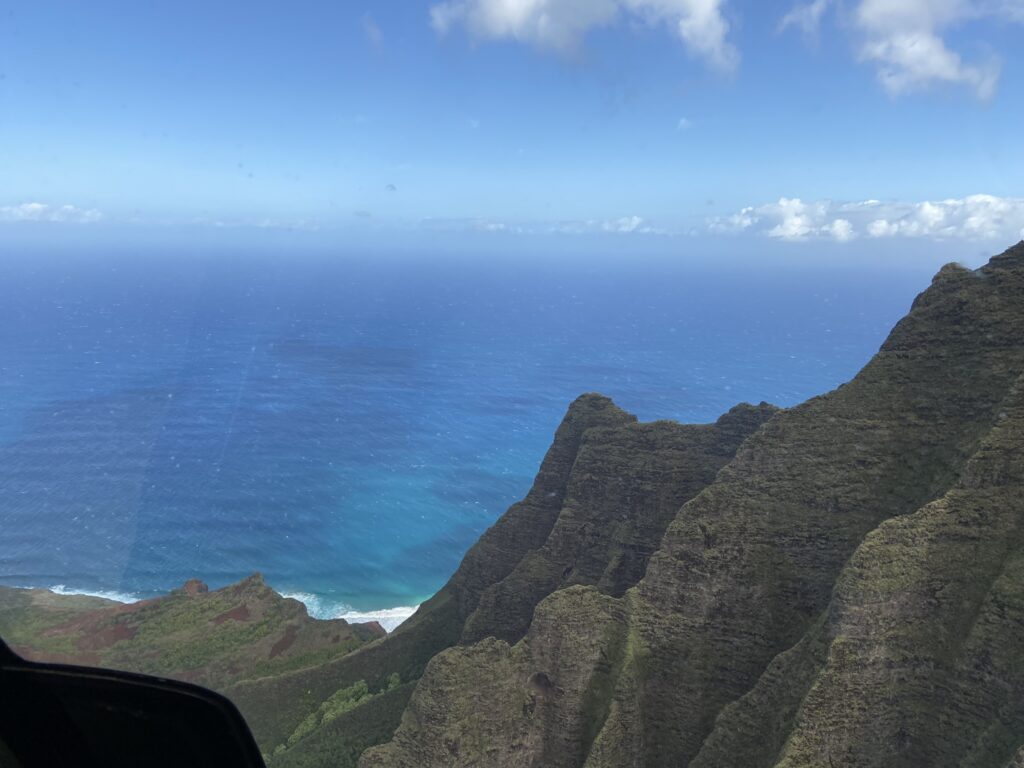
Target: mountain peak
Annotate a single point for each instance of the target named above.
(843, 555)
(594, 404)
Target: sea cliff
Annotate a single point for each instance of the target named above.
(836, 584)
(848, 590)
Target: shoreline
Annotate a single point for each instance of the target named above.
(317, 607)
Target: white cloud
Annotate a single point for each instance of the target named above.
(840, 229)
(555, 23)
(796, 219)
(737, 222)
(701, 25)
(805, 17)
(914, 61)
(977, 217)
(683, 124)
(43, 212)
(625, 225)
(905, 41)
(882, 228)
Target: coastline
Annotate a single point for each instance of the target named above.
(390, 618)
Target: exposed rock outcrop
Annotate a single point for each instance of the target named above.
(848, 591)
(606, 491)
(837, 584)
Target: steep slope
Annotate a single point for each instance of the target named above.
(275, 707)
(605, 493)
(211, 638)
(537, 703)
(731, 649)
(926, 627)
(626, 485)
(918, 660)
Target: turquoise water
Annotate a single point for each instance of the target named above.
(350, 426)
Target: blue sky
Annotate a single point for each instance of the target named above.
(829, 121)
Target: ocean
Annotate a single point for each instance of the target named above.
(349, 426)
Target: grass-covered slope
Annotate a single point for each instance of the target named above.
(212, 638)
(849, 591)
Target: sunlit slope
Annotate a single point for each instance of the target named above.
(211, 638)
(605, 493)
(849, 591)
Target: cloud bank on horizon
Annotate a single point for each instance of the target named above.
(61, 214)
(976, 217)
(972, 218)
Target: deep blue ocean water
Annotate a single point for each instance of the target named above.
(350, 426)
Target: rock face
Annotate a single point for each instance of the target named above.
(837, 584)
(625, 486)
(847, 591)
(605, 494)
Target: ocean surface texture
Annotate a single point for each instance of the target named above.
(347, 426)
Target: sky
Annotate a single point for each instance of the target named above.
(850, 124)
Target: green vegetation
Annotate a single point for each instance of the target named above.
(337, 704)
(340, 742)
(601, 463)
(313, 659)
(848, 591)
(218, 638)
(26, 618)
(837, 584)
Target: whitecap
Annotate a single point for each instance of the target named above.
(389, 618)
(315, 607)
(319, 608)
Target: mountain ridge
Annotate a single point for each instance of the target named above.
(837, 583)
(674, 461)
(731, 626)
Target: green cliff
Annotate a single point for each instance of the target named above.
(836, 584)
(604, 495)
(848, 591)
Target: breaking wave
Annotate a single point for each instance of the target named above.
(319, 608)
(117, 597)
